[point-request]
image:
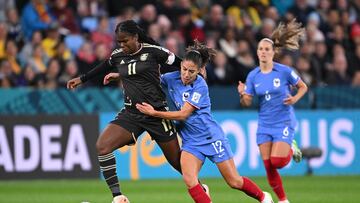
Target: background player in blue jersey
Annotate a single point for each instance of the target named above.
(271, 82)
(201, 136)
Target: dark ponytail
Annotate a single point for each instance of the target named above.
(131, 27)
(199, 54)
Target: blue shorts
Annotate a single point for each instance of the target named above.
(217, 151)
(279, 134)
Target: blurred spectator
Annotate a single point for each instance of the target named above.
(7, 76)
(303, 68)
(355, 33)
(219, 71)
(85, 57)
(354, 61)
(38, 60)
(244, 14)
(65, 16)
(300, 10)
(189, 31)
(215, 21)
(228, 43)
(148, 15)
(266, 29)
(356, 79)
(4, 6)
(321, 59)
(51, 40)
(70, 72)
(51, 75)
(155, 33)
(102, 34)
(272, 13)
(3, 38)
(30, 78)
(12, 56)
(27, 51)
(62, 53)
(338, 75)
(14, 26)
(169, 9)
(244, 60)
(36, 16)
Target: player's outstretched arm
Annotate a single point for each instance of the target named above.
(111, 77)
(182, 115)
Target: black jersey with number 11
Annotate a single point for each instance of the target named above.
(140, 74)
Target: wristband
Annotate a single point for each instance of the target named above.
(83, 78)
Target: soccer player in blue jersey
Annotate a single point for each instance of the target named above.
(271, 83)
(201, 136)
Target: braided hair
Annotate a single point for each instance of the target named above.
(132, 28)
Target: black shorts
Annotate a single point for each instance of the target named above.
(160, 130)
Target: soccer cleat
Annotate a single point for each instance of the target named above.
(120, 199)
(206, 188)
(284, 201)
(267, 198)
(297, 154)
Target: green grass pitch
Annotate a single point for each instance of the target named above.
(313, 189)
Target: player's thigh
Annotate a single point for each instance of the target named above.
(280, 149)
(190, 166)
(171, 150)
(113, 137)
(265, 150)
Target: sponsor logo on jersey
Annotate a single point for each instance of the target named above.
(143, 57)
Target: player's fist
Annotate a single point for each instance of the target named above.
(73, 83)
(111, 77)
(241, 88)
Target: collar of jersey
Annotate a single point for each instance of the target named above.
(141, 46)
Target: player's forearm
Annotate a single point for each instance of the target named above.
(245, 100)
(171, 115)
(301, 92)
(101, 68)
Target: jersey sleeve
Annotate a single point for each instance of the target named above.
(249, 85)
(291, 76)
(199, 97)
(164, 56)
(164, 80)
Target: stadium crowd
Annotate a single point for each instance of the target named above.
(44, 43)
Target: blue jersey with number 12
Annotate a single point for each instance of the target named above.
(271, 89)
(199, 128)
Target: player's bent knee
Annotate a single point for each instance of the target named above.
(102, 149)
(235, 182)
(190, 180)
(279, 162)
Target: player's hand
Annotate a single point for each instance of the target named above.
(73, 83)
(111, 77)
(290, 100)
(241, 88)
(146, 108)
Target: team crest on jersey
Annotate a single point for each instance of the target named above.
(185, 96)
(143, 57)
(276, 82)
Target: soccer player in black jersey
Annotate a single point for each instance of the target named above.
(137, 61)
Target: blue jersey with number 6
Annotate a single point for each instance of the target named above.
(271, 89)
(199, 128)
